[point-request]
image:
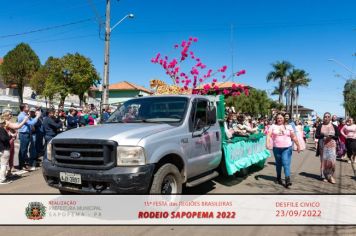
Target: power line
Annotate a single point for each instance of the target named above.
(96, 12)
(46, 28)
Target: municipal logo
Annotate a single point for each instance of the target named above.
(35, 211)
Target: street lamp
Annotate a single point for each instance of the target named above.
(108, 30)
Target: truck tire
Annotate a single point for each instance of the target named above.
(167, 180)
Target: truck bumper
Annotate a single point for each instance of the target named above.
(125, 180)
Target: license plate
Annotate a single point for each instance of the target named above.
(70, 178)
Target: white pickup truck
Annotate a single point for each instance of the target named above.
(149, 145)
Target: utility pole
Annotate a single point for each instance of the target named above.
(105, 88)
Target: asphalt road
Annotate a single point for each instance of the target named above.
(305, 178)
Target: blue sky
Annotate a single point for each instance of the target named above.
(306, 33)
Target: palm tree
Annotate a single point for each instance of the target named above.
(297, 78)
(280, 73)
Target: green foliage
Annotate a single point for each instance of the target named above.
(19, 66)
(39, 79)
(279, 73)
(71, 74)
(256, 103)
(350, 97)
(82, 74)
(297, 78)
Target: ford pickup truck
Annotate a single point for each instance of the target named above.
(152, 145)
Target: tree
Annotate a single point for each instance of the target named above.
(280, 72)
(350, 98)
(19, 66)
(81, 72)
(257, 103)
(39, 80)
(297, 78)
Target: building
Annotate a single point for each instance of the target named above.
(123, 91)
(304, 113)
(9, 98)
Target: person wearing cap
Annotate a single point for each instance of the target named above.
(25, 133)
(72, 119)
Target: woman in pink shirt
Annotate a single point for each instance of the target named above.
(281, 136)
(349, 132)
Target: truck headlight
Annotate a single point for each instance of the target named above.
(127, 155)
(49, 151)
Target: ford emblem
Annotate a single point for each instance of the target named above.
(75, 155)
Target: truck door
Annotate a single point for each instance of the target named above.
(205, 143)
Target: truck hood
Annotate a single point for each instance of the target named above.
(124, 134)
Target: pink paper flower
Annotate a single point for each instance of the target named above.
(223, 69)
(241, 72)
(215, 80)
(176, 46)
(207, 87)
(195, 40)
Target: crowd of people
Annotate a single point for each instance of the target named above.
(334, 139)
(34, 128)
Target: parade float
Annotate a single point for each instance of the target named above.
(239, 152)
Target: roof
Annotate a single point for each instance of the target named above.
(223, 85)
(301, 108)
(124, 85)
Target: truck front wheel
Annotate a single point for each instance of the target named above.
(167, 180)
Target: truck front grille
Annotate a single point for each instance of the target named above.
(87, 154)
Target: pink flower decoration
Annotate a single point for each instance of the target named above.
(200, 80)
(190, 38)
(194, 71)
(215, 80)
(234, 86)
(207, 87)
(195, 40)
(246, 92)
(176, 46)
(223, 76)
(241, 72)
(216, 87)
(223, 69)
(226, 92)
(183, 43)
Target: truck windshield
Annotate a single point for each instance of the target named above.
(151, 110)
